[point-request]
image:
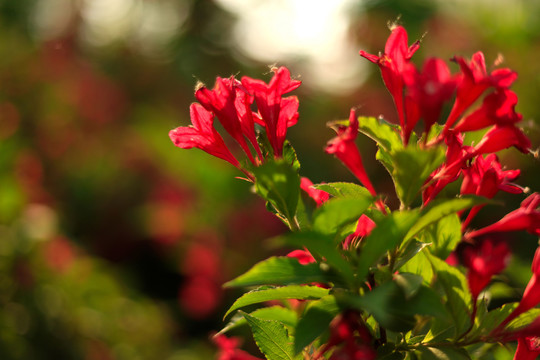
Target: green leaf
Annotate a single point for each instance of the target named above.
(385, 134)
(488, 322)
(281, 271)
(409, 252)
(279, 183)
(322, 246)
(411, 168)
(278, 293)
(272, 338)
(388, 352)
(439, 209)
(444, 235)
(409, 283)
(387, 235)
(385, 158)
(289, 155)
(345, 189)
(523, 320)
(393, 310)
(302, 217)
(419, 265)
(315, 321)
(285, 316)
(336, 213)
(442, 353)
(384, 303)
(457, 292)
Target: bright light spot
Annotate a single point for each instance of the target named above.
(315, 31)
(146, 25)
(51, 18)
(108, 20)
(159, 21)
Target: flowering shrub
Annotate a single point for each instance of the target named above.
(376, 282)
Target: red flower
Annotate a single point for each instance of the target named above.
(304, 257)
(485, 178)
(276, 113)
(200, 296)
(502, 137)
(483, 261)
(344, 148)
(497, 108)
(393, 63)
(474, 81)
(222, 102)
(348, 329)
(228, 349)
(363, 228)
(527, 217)
(457, 156)
(531, 295)
(429, 89)
(528, 348)
(202, 135)
(319, 196)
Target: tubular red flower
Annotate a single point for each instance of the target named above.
(222, 102)
(457, 156)
(528, 348)
(473, 82)
(526, 217)
(483, 261)
(228, 349)
(485, 177)
(429, 89)
(531, 295)
(319, 196)
(202, 135)
(348, 329)
(304, 257)
(392, 63)
(344, 148)
(276, 113)
(363, 228)
(497, 108)
(502, 137)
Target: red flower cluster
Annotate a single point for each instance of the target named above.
(228, 349)
(350, 338)
(421, 94)
(230, 101)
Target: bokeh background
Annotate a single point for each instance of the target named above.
(114, 243)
